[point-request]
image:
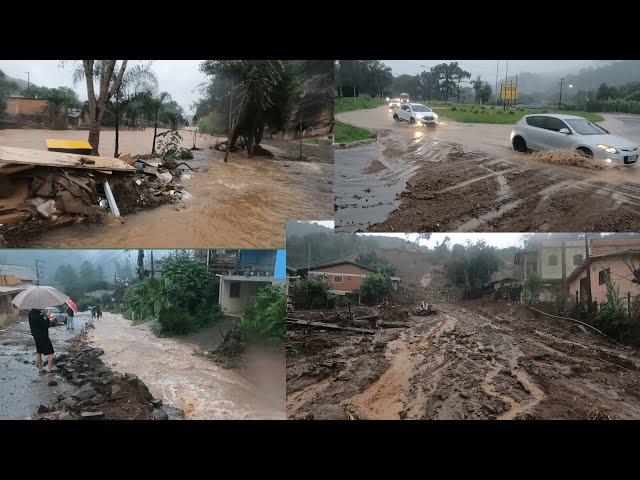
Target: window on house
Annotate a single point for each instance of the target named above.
(577, 259)
(603, 275)
(337, 279)
(553, 260)
(234, 290)
(532, 268)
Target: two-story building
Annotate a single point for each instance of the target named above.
(553, 261)
(254, 269)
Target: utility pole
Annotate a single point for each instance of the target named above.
(560, 98)
(309, 257)
(37, 272)
(497, 95)
(588, 267)
(28, 82)
(506, 76)
(152, 271)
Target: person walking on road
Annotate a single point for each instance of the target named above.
(70, 324)
(98, 311)
(39, 327)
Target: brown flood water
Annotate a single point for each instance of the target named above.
(242, 203)
(182, 379)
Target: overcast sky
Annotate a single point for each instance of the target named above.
(500, 240)
(178, 77)
(487, 68)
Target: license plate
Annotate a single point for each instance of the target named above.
(632, 158)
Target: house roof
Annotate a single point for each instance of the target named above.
(22, 272)
(6, 290)
(602, 256)
(244, 278)
(335, 264)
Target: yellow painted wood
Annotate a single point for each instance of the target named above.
(68, 144)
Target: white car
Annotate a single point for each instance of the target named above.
(569, 132)
(415, 113)
(394, 103)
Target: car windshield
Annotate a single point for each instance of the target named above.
(54, 310)
(420, 108)
(585, 127)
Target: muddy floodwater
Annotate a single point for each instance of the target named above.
(175, 372)
(466, 177)
(242, 203)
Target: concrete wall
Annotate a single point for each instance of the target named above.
(546, 271)
(236, 306)
(25, 106)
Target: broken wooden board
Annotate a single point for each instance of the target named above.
(329, 325)
(9, 168)
(63, 160)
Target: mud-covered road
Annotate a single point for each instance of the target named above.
(242, 203)
(470, 361)
(175, 371)
(466, 177)
(22, 388)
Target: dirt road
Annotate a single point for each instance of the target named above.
(175, 373)
(466, 177)
(477, 361)
(242, 203)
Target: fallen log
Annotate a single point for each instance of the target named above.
(328, 325)
(393, 324)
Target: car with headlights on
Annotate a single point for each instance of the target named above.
(415, 113)
(394, 103)
(570, 132)
(55, 316)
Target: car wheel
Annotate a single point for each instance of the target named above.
(412, 120)
(585, 151)
(519, 145)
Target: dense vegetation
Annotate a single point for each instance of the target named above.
(264, 319)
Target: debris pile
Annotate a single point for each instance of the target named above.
(41, 190)
(99, 392)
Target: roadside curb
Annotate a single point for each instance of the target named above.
(354, 144)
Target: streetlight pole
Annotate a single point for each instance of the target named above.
(560, 98)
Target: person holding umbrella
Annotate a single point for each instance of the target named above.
(35, 299)
(39, 326)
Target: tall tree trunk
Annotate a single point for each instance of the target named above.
(115, 154)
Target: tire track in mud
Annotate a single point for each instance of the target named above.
(387, 398)
(516, 408)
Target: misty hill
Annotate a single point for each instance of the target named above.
(317, 244)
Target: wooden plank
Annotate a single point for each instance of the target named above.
(53, 143)
(328, 325)
(64, 160)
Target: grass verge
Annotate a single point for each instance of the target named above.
(358, 103)
(345, 132)
(470, 113)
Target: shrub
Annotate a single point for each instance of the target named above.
(531, 288)
(374, 288)
(310, 292)
(264, 319)
(454, 108)
(511, 112)
(612, 318)
(175, 320)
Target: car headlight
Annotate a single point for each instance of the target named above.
(607, 148)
